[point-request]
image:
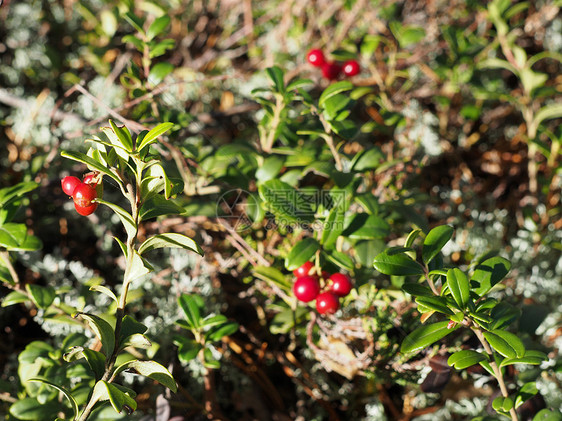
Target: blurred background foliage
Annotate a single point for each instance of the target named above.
(459, 99)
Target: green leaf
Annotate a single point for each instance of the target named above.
(547, 112)
(157, 206)
(333, 227)
(209, 360)
(12, 235)
(285, 202)
(171, 240)
(507, 344)
(503, 314)
(104, 391)
(271, 275)
(66, 394)
(276, 76)
(29, 409)
(123, 135)
(41, 296)
(301, 252)
(340, 259)
(416, 290)
(425, 335)
(91, 163)
(459, 287)
(14, 297)
(435, 241)
(397, 264)
(160, 48)
(191, 306)
(157, 27)
(489, 273)
(125, 217)
(530, 357)
(366, 227)
(139, 267)
(104, 290)
(152, 370)
(9, 194)
(102, 330)
(466, 358)
(188, 349)
(527, 391)
(435, 303)
(368, 202)
(270, 168)
(135, 21)
(334, 89)
(369, 159)
(220, 331)
(299, 83)
(159, 71)
(548, 415)
(152, 136)
(501, 404)
(406, 34)
(95, 359)
(130, 327)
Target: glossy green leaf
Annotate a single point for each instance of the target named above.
(161, 47)
(527, 391)
(29, 409)
(507, 344)
(152, 370)
(334, 89)
(276, 76)
(123, 135)
(157, 206)
(285, 202)
(12, 193)
(191, 306)
(459, 287)
(95, 359)
(368, 202)
(125, 217)
(188, 349)
(104, 391)
(301, 253)
(152, 136)
(209, 360)
(65, 392)
(425, 335)
(369, 159)
(553, 110)
(531, 358)
(548, 415)
(104, 290)
(270, 168)
(435, 241)
(417, 290)
(503, 314)
(363, 226)
(489, 273)
(333, 227)
(159, 72)
(502, 404)
(340, 259)
(157, 27)
(298, 84)
(41, 296)
(438, 304)
(272, 275)
(91, 163)
(129, 327)
(222, 330)
(171, 240)
(103, 330)
(139, 267)
(397, 264)
(466, 358)
(14, 297)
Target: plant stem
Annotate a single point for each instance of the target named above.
(497, 372)
(276, 120)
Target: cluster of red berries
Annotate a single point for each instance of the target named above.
(307, 288)
(331, 70)
(83, 192)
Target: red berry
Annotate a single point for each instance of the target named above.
(69, 184)
(94, 179)
(316, 57)
(340, 284)
(83, 196)
(327, 302)
(303, 270)
(331, 70)
(85, 210)
(351, 68)
(306, 288)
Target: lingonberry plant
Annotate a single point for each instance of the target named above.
(139, 175)
(463, 300)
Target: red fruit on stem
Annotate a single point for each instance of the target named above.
(83, 196)
(303, 270)
(85, 210)
(306, 288)
(69, 183)
(351, 68)
(340, 284)
(94, 179)
(327, 303)
(331, 70)
(316, 57)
